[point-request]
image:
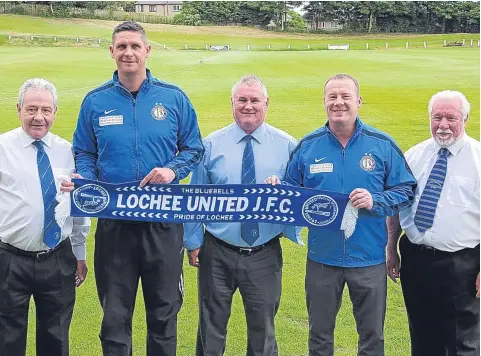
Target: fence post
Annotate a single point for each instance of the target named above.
(289, 47)
(99, 40)
(367, 45)
(165, 46)
(206, 47)
(387, 45)
(77, 39)
(471, 42)
(444, 43)
(248, 47)
(55, 39)
(269, 47)
(185, 46)
(31, 38)
(308, 46)
(407, 45)
(464, 41)
(478, 43)
(425, 45)
(9, 37)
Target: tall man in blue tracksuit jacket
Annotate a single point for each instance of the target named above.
(350, 157)
(136, 127)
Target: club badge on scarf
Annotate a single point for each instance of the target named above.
(178, 203)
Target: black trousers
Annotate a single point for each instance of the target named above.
(440, 295)
(124, 253)
(50, 279)
(258, 277)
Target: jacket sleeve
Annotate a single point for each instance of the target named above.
(295, 171)
(399, 186)
(189, 141)
(194, 232)
(85, 144)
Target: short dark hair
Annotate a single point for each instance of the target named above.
(342, 77)
(130, 26)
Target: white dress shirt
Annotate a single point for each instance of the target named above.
(456, 221)
(21, 202)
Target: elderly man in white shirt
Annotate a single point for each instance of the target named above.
(440, 248)
(37, 258)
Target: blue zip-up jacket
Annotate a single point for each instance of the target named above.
(370, 160)
(121, 139)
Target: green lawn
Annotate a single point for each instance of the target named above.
(396, 86)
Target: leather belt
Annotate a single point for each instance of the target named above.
(37, 255)
(247, 251)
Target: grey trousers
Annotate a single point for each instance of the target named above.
(258, 277)
(367, 290)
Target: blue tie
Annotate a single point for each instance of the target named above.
(432, 191)
(249, 230)
(51, 231)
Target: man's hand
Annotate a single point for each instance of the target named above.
(194, 257)
(361, 199)
(159, 175)
(392, 262)
(273, 179)
(81, 273)
(477, 286)
(68, 186)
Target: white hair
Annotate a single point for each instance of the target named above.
(250, 80)
(37, 83)
(449, 95)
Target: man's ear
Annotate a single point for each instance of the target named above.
(360, 102)
(267, 103)
(18, 109)
(111, 49)
(149, 48)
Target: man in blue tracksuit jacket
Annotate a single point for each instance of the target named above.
(350, 157)
(133, 128)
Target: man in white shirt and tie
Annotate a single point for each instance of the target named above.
(440, 248)
(37, 258)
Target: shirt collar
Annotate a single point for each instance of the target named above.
(258, 134)
(453, 149)
(26, 139)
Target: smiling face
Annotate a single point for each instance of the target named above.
(130, 52)
(341, 102)
(37, 113)
(249, 107)
(447, 123)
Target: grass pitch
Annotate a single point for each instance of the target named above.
(396, 86)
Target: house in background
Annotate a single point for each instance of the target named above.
(323, 25)
(160, 8)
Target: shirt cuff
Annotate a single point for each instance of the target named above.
(80, 252)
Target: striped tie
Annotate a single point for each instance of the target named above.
(51, 231)
(249, 230)
(432, 191)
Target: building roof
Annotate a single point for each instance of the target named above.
(147, 2)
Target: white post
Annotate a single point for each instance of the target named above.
(425, 44)
(444, 42)
(77, 39)
(308, 46)
(165, 46)
(185, 46)
(387, 45)
(478, 43)
(289, 47)
(99, 40)
(31, 37)
(9, 37)
(464, 41)
(367, 45)
(269, 47)
(471, 42)
(407, 45)
(248, 47)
